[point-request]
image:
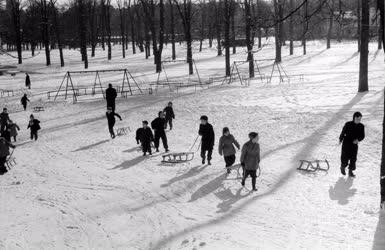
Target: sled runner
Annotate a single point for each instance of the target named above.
(313, 166)
(123, 131)
(178, 157)
(38, 109)
(238, 168)
(10, 161)
(181, 157)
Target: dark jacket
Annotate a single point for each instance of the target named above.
(24, 100)
(144, 135)
(4, 118)
(226, 145)
(27, 81)
(111, 94)
(34, 125)
(158, 125)
(4, 147)
(352, 131)
(208, 136)
(111, 117)
(13, 128)
(250, 156)
(169, 113)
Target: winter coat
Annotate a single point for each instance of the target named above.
(27, 81)
(169, 113)
(226, 145)
(34, 125)
(250, 156)
(111, 94)
(144, 135)
(13, 129)
(351, 132)
(4, 147)
(208, 136)
(4, 118)
(158, 125)
(24, 100)
(111, 118)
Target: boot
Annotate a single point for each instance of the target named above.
(209, 163)
(157, 150)
(243, 182)
(351, 174)
(144, 154)
(343, 172)
(228, 170)
(203, 161)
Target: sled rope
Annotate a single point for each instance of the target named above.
(192, 146)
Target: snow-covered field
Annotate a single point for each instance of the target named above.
(75, 188)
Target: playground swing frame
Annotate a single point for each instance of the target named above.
(168, 82)
(97, 82)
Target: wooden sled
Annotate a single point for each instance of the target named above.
(178, 157)
(239, 170)
(10, 161)
(314, 166)
(38, 109)
(123, 131)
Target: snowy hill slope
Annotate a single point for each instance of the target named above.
(76, 188)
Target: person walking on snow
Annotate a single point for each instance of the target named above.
(352, 133)
(4, 119)
(110, 114)
(4, 152)
(227, 149)
(24, 101)
(34, 125)
(208, 138)
(169, 115)
(27, 81)
(111, 95)
(158, 126)
(145, 137)
(13, 128)
(250, 159)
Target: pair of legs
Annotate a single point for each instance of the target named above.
(209, 155)
(34, 135)
(111, 130)
(230, 159)
(146, 147)
(25, 107)
(253, 174)
(169, 122)
(158, 136)
(3, 168)
(349, 158)
(14, 138)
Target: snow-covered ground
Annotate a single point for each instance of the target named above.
(75, 188)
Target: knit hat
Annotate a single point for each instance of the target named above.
(204, 117)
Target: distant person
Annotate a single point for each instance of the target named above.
(250, 159)
(158, 126)
(352, 133)
(24, 100)
(4, 119)
(111, 95)
(110, 114)
(227, 149)
(208, 137)
(27, 81)
(4, 152)
(144, 136)
(169, 115)
(13, 128)
(34, 126)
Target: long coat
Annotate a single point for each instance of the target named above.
(208, 136)
(144, 135)
(169, 113)
(250, 155)
(351, 132)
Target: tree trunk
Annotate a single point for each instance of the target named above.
(227, 19)
(132, 28)
(249, 41)
(380, 30)
(15, 8)
(330, 29)
(108, 28)
(382, 173)
(277, 32)
(83, 32)
(57, 32)
(218, 22)
(139, 30)
(161, 37)
(305, 26)
(359, 24)
(203, 20)
(172, 30)
(92, 25)
(45, 30)
(364, 50)
(122, 30)
(233, 35)
(340, 20)
(291, 28)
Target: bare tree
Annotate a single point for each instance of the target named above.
(185, 12)
(359, 25)
(278, 13)
(106, 15)
(16, 16)
(172, 30)
(57, 30)
(44, 13)
(249, 36)
(202, 25)
(291, 30)
(331, 19)
(81, 6)
(227, 18)
(121, 8)
(305, 25)
(218, 24)
(92, 20)
(364, 50)
(132, 25)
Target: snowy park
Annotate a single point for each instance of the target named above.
(84, 185)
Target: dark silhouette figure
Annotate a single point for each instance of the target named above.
(111, 95)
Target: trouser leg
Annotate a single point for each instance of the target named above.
(164, 141)
(170, 123)
(156, 140)
(253, 175)
(209, 154)
(203, 153)
(353, 159)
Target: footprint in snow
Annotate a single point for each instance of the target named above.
(202, 244)
(185, 242)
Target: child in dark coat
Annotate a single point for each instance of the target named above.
(169, 115)
(34, 125)
(13, 128)
(24, 100)
(208, 137)
(4, 152)
(227, 149)
(110, 114)
(145, 137)
(250, 159)
(158, 126)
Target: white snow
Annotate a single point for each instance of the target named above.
(77, 189)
